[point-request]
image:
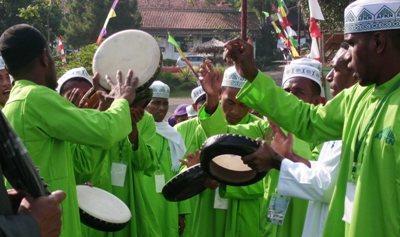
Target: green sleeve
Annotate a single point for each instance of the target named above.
(213, 124)
(253, 191)
(308, 122)
(60, 119)
(254, 130)
(144, 158)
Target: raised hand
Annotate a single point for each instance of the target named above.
(242, 54)
(124, 90)
(46, 211)
(281, 143)
(211, 79)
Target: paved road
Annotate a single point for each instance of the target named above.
(174, 102)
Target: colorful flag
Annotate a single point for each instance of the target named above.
(110, 15)
(60, 50)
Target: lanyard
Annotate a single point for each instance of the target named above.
(363, 137)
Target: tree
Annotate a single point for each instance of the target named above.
(45, 16)
(85, 18)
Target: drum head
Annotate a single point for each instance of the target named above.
(102, 210)
(129, 49)
(185, 185)
(221, 159)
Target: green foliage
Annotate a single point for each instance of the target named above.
(8, 10)
(44, 16)
(85, 19)
(169, 62)
(81, 58)
(34, 12)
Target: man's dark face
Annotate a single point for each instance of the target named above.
(75, 83)
(304, 89)
(51, 75)
(362, 57)
(5, 86)
(340, 77)
(234, 110)
(158, 107)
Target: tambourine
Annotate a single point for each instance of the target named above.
(128, 49)
(221, 155)
(101, 210)
(185, 185)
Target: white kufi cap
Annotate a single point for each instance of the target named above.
(160, 90)
(190, 111)
(372, 15)
(232, 79)
(197, 93)
(79, 72)
(297, 69)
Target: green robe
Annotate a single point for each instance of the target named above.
(250, 213)
(376, 202)
(187, 129)
(122, 152)
(158, 217)
(48, 124)
(242, 201)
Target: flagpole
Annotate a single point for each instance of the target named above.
(244, 20)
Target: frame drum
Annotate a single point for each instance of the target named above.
(185, 185)
(128, 49)
(101, 210)
(221, 159)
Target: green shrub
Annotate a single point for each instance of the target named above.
(81, 58)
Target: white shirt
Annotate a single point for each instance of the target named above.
(315, 184)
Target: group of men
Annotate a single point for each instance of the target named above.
(332, 165)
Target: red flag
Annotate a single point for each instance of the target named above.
(60, 49)
(315, 31)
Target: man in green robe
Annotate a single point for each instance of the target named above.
(187, 128)
(48, 124)
(110, 169)
(365, 201)
(305, 87)
(161, 217)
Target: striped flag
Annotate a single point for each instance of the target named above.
(60, 50)
(110, 15)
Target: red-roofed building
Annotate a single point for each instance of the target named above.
(191, 24)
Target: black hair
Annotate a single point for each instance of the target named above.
(20, 45)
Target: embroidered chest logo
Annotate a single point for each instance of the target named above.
(387, 136)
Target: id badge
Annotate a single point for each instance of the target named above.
(160, 181)
(219, 202)
(118, 173)
(348, 202)
(277, 209)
